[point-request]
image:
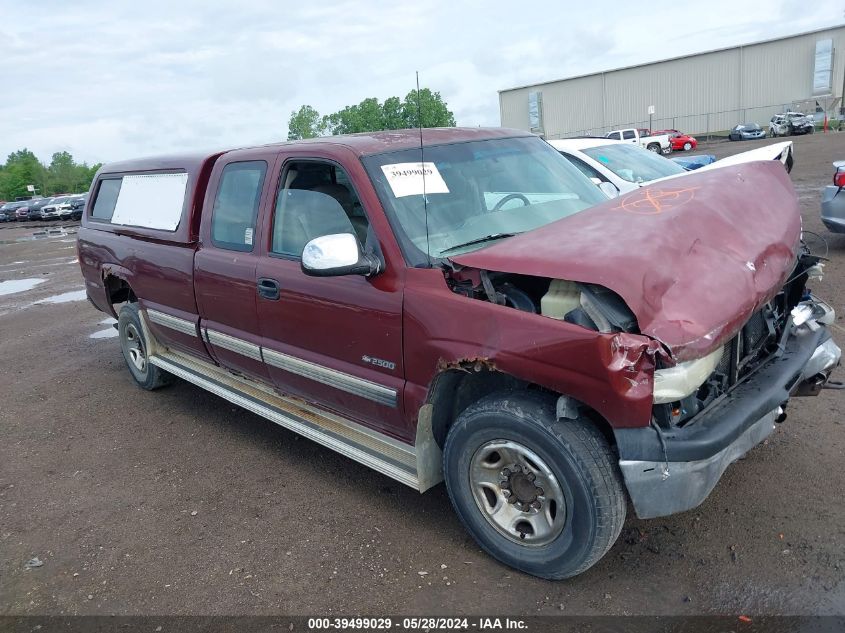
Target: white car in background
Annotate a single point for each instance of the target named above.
(623, 167)
(58, 208)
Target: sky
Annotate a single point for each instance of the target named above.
(113, 80)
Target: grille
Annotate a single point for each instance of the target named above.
(754, 333)
(724, 366)
(740, 349)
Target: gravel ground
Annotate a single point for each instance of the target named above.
(175, 502)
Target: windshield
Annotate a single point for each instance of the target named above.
(479, 192)
(633, 163)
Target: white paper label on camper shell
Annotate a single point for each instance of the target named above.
(414, 179)
(152, 201)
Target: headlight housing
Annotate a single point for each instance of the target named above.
(682, 380)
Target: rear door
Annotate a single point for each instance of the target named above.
(334, 341)
(225, 263)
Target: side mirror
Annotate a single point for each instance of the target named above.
(336, 255)
(609, 189)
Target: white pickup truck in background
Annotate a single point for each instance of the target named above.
(658, 143)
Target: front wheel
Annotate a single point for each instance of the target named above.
(687, 146)
(543, 496)
(135, 350)
(653, 147)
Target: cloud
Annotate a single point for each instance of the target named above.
(111, 81)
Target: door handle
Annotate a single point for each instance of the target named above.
(268, 288)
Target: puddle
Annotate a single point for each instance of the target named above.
(109, 333)
(66, 297)
(19, 285)
(41, 235)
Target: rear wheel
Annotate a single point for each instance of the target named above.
(543, 496)
(135, 350)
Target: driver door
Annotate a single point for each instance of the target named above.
(334, 341)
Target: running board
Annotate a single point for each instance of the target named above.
(380, 452)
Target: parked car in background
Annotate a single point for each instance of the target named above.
(77, 206)
(691, 163)
(58, 208)
(791, 123)
(678, 140)
(10, 210)
(36, 208)
(833, 200)
(746, 132)
(643, 137)
(625, 166)
(22, 212)
(628, 167)
(5, 216)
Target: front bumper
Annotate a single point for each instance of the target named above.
(833, 208)
(679, 472)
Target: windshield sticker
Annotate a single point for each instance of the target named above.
(414, 179)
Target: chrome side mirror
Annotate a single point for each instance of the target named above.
(335, 255)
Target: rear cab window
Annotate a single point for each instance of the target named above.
(236, 205)
(147, 200)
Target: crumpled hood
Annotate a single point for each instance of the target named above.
(693, 258)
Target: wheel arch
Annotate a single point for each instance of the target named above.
(117, 287)
(460, 385)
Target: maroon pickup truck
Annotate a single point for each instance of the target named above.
(469, 307)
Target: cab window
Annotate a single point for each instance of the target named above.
(315, 199)
(236, 206)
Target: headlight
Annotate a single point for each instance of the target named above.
(678, 382)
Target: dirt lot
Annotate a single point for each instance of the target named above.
(177, 502)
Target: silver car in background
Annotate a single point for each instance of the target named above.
(833, 200)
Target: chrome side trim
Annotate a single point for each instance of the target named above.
(333, 378)
(380, 452)
(172, 322)
(239, 346)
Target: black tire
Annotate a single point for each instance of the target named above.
(132, 344)
(576, 453)
(687, 146)
(653, 147)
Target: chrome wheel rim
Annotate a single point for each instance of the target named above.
(517, 493)
(134, 347)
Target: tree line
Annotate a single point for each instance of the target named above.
(371, 115)
(62, 175)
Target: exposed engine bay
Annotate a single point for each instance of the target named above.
(588, 305)
(681, 390)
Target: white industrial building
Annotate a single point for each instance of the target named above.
(701, 93)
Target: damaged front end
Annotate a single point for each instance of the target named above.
(706, 412)
(709, 412)
(685, 389)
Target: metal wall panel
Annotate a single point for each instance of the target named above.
(700, 93)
